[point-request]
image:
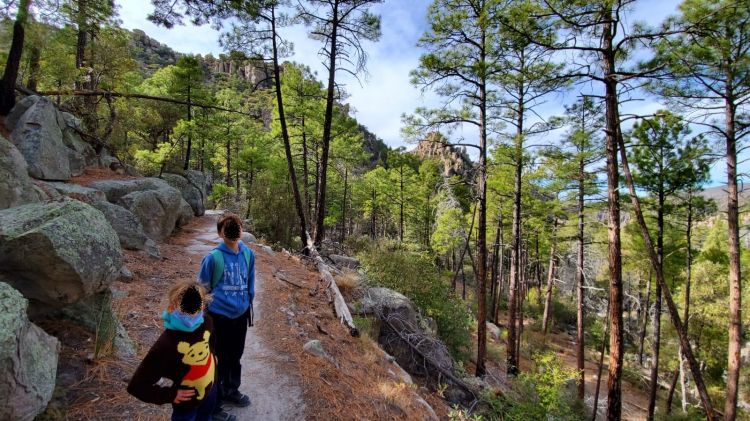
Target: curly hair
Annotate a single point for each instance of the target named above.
(232, 226)
(189, 297)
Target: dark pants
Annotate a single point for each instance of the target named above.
(202, 412)
(230, 344)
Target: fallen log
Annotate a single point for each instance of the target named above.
(339, 304)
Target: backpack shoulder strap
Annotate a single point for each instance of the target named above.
(246, 254)
(218, 267)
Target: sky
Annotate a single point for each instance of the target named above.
(384, 94)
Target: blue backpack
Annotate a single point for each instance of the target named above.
(219, 265)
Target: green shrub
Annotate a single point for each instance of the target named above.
(415, 276)
(547, 393)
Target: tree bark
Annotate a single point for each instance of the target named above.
(10, 75)
(285, 134)
(320, 210)
(601, 364)
(735, 281)
(515, 250)
(614, 386)
(550, 280)
(645, 319)
(580, 345)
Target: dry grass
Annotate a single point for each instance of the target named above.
(398, 394)
(348, 280)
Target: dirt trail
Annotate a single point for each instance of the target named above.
(266, 378)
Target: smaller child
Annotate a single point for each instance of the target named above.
(180, 368)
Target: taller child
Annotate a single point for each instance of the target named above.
(229, 273)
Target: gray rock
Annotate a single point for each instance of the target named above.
(11, 121)
(45, 190)
(82, 155)
(74, 191)
(116, 189)
(126, 275)
(128, 228)
(16, 187)
(494, 331)
(191, 193)
(200, 180)
(315, 347)
(39, 139)
(398, 319)
(344, 261)
(28, 360)
(248, 238)
(157, 210)
(399, 374)
(106, 160)
(185, 214)
(153, 249)
(268, 250)
(58, 253)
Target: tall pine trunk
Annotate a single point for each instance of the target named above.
(735, 282)
(285, 134)
(10, 76)
(614, 386)
(320, 210)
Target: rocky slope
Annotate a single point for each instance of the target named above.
(455, 160)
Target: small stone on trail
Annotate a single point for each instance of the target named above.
(152, 249)
(126, 275)
(314, 347)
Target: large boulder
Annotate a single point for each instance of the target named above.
(190, 192)
(200, 180)
(117, 189)
(157, 210)
(342, 262)
(128, 228)
(28, 360)
(418, 352)
(16, 187)
(74, 191)
(185, 214)
(58, 253)
(38, 136)
(11, 121)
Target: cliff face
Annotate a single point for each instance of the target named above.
(153, 55)
(455, 160)
(254, 72)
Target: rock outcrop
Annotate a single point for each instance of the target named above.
(342, 262)
(128, 228)
(58, 253)
(16, 188)
(153, 201)
(190, 191)
(398, 320)
(28, 360)
(455, 160)
(38, 137)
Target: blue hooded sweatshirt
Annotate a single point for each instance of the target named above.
(235, 291)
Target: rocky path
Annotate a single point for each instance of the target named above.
(267, 374)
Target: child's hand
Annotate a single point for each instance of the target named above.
(184, 395)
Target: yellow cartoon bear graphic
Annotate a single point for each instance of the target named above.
(199, 357)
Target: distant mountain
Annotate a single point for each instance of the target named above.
(719, 195)
(455, 160)
(150, 53)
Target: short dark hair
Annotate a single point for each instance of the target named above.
(231, 224)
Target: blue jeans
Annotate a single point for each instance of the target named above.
(202, 412)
